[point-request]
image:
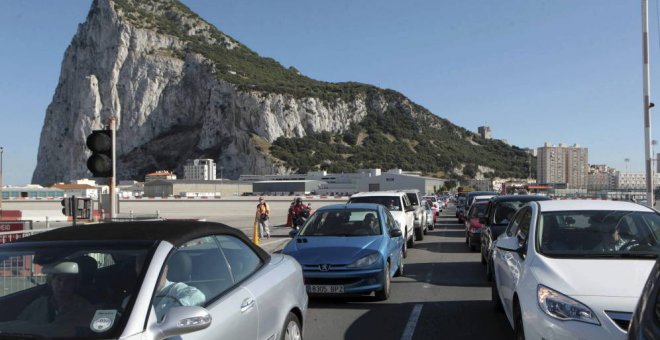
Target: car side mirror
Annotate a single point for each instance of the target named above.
(395, 233)
(183, 320)
(510, 244)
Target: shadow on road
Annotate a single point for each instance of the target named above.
(447, 233)
(445, 247)
(437, 320)
(457, 274)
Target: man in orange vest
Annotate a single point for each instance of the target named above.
(262, 216)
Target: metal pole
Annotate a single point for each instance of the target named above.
(1, 151)
(647, 102)
(113, 198)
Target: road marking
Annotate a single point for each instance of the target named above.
(412, 323)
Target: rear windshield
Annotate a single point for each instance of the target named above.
(599, 234)
(478, 211)
(343, 222)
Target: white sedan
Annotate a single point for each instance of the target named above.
(574, 269)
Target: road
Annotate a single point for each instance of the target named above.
(442, 295)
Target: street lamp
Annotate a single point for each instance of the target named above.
(1, 150)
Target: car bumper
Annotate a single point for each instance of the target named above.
(353, 281)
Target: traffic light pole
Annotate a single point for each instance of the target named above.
(74, 207)
(113, 197)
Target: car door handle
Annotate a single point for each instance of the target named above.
(247, 305)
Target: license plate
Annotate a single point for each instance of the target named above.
(325, 289)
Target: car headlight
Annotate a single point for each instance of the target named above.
(365, 261)
(560, 306)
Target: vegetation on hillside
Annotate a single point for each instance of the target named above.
(393, 138)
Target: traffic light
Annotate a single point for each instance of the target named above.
(67, 206)
(100, 162)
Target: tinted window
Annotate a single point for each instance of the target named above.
(513, 226)
(478, 211)
(412, 197)
(523, 226)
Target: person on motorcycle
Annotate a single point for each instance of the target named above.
(296, 211)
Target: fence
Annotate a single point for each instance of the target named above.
(18, 272)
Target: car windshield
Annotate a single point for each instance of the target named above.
(599, 234)
(391, 202)
(342, 222)
(69, 289)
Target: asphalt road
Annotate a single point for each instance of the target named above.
(442, 295)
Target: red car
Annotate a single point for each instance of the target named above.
(472, 224)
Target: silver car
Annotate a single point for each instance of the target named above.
(148, 280)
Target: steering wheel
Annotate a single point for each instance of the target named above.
(630, 244)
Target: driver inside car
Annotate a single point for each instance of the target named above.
(62, 304)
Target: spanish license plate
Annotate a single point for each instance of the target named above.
(325, 289)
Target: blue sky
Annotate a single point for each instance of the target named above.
(534, 71)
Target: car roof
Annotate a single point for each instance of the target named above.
(591, 204)
(351, 206)
(478, 193)
(520, 198)
(174, 232)
(379, 193)
(483, 197)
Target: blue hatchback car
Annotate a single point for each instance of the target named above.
(349, 249)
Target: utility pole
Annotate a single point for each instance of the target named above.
(1, 151)
(647, 102)
(113, 197)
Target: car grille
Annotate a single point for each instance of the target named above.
(621, 319)
(332, 281)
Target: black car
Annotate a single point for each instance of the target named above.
(646, 319)
(469, 198)
(499, 213)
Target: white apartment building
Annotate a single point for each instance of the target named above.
(199, 169)
(563, 164)
(635, 181)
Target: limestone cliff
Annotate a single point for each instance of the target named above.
(182, 89)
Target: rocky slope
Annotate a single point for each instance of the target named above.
(182, 89)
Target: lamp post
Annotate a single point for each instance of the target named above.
(1, 151)
(647, 102)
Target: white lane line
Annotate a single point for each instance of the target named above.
(412, 323)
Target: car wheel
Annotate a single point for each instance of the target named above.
(495, 298)
(489, 271)
(291, 330)
(384, 294)
(419, 234)
(483, 259)
(399, 271)
(411, 241)
(405, 248)
(518, 328)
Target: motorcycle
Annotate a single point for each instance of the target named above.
(299, 219)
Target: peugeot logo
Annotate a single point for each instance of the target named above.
(324, 267)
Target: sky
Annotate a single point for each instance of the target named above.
(558, 71)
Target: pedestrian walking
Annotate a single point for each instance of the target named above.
(262, 216)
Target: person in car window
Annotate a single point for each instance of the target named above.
(174, 294)
(392, 206)
(612, 240)
(61, 305)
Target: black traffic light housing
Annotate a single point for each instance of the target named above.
(100, 162)
(67, 206)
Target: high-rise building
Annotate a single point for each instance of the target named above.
(484, 132)
(199, 169)
(563, 164)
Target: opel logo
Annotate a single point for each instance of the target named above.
(324, 267)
